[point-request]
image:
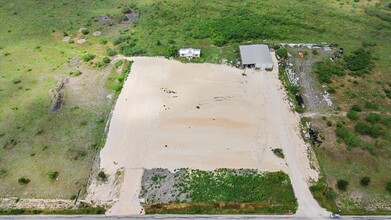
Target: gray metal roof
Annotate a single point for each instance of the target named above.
(255, 54)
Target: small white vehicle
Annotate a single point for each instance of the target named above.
(335, 216)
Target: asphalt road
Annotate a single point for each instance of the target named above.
(201, 217)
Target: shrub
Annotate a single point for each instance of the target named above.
(76, 73)
(85, 31)
(388, 186)
(103, 41)
(350, 139)
(373, 118)
(106, 60)
(118, 63)
(356, 108)
(293, 89)
(65, 34)
(353, 115)
(371, 105)
(73, 197)
(102, 175)
(16, 81)
(365, 181)
(331, 90)
(53, 175)
(387, 122)
(282, 53)
(363, 128)
(71, 41)
(367, 129)
(87, 57)
(23, 181)
(342, 184)
(329, 123)
(121, 39)
(172, 51)
(325, 68)
(110, 52)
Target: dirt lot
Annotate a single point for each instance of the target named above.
(202, 116)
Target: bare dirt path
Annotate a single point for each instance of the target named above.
(202, 116)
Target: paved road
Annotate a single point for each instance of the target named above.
(201, 217)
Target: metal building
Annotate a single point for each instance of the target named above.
(256, 55)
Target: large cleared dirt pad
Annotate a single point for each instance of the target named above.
(202, 116)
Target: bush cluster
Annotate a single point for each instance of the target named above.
(350, 139)
(87, 57)
(324, 69)
(368, 129)
(373, 118)
(23, 181)
(359, 62)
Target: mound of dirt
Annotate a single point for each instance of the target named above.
(106, 20)
(96, 33)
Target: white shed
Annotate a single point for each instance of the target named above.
(189, 53)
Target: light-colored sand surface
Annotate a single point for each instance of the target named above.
(204, 116)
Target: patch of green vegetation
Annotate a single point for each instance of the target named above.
(324, 69)
(324, 195)
(78, 211)
(87, 57)
(248, 190)
(292, 90)
(116, 81)
(102, 175)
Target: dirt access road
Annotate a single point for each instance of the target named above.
(202, 116)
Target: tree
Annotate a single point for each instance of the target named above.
(23, 181)
(342, 184)
(106, 60)
(388, 187)
(85, 31)
(365, 181)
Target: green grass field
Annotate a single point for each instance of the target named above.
(34, 141)
(229, 191)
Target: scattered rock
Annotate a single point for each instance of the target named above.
(74, 62)
(96, 33)
(81, 41)
(106, 20)
(66, 39)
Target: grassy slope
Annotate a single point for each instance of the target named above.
(31, 33)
